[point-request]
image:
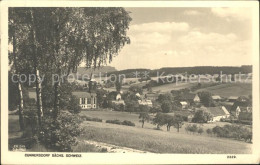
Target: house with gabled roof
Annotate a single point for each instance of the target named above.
(216, 97)
(218, 113)
(190, 97)
(86, 100)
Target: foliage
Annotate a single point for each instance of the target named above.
(60, 134)
(131, 105)
(86, 118)
(136, 89)
(165, 97)
(233, 131)
(159, 120)
(125, 122)
(177, 122)
(200, 130)
(144, 115)
(192, 128)
(166, 107)
(73, 106)
(206, 99)
(209, 131)
(201, 116)
(128, 123)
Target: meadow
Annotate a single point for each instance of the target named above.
(158, 141)
(230, 89)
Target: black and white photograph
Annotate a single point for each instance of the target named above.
(128, 79)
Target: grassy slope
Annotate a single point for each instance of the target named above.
(160, 141)
(148, 139)
(230, 89)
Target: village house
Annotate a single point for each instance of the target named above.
(118, 100)
(218, 113)
(86, 100)
(232, 98)
(151, 96)
(183, 104)
(242, 105)
(142, 100)
(145, 102)
(216, 98)
(190, 97)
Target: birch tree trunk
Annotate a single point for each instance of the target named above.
(36, 71)
(21, 116)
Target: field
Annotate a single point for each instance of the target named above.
(158, 141)
(145, 139)
(168, 87)
(230, 89)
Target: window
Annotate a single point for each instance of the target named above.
(83, 101)
(94, 100)
(89, 100)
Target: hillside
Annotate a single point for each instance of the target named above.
(189, 70)
(103, 70)
(230, 89)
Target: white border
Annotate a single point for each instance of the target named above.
(107, 158)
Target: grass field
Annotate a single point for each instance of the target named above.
(173, 86)
(230, 89)
(144, 139)
(133, 117)
(160, 141)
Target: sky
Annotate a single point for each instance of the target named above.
(181, 37)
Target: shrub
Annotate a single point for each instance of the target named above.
(209, 131)
(200, 130)
(192, 128)
(60, 134)
(125, 122)
(114, 122)
(233, 131)
(129, 123)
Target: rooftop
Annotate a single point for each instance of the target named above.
(84, 94)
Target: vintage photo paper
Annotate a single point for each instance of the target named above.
(123, 82)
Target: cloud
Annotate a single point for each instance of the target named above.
(191, 12)
(155, 45)
(236, 13)
(160, 27)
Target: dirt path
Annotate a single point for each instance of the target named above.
(113, 148)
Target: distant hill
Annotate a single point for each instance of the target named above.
(103, 70)
(189, 70)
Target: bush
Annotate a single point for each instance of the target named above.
(192, 128)
(129, 123)
(114, 122)
(200, 130)
(125, 122)
(209, 131)
(93, 119)
(60, 134)
(233, 131)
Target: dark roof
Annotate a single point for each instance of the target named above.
(241, 104)
(215, 111)
(83, 94)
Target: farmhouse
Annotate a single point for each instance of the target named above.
(86, 100)
(216, 98)
(183, 104)
(145, 102)
(217, 113)
(232, 98)
(151, 96)
(118, 100)
(191, 97)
